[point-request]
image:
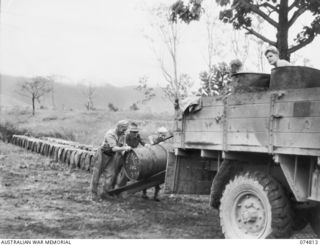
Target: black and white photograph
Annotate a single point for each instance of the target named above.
(159, 119)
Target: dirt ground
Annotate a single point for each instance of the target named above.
(43, 199)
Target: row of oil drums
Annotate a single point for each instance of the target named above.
(70, 143)
(63, 153)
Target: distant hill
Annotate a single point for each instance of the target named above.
(68, 96)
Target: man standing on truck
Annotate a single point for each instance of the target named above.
(272, 55)
(236, 66)
(108, 158)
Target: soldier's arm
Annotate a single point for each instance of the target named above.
(119, 149)
(141, 140)
(151, 139)
(111, 140)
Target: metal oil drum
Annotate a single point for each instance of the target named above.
(143, 162)
(250, 82)
(294, 77)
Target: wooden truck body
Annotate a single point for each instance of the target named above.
(270, 136)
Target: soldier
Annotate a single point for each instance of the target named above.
(272, 55)
(162, 135)
(236, 66)
(108, 158)
(132, 139)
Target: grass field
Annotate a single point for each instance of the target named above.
(87, 127)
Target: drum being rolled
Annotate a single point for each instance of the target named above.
(141, 163)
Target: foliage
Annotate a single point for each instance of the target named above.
(280, 14)
(52, 80)
(167, 35)
(89, 93)
(134, 107)
(187, 13)
(8, 129)
(216, 81)
(147, 92)
(112, 107)
(84, 126)
(34, 89)
(178, 90)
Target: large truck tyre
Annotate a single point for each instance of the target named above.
(254, 205)
(227, 170)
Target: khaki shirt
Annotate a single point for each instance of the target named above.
(111, 139)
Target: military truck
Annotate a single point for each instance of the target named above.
(256, 153)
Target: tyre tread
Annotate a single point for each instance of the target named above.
(281, 215)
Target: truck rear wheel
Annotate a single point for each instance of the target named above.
(253, 205)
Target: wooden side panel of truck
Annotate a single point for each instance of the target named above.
(283, 122)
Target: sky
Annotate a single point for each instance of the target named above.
(94, 40)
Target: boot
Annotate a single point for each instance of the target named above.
(156, 193)
(144, 194)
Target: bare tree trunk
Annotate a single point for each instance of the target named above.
(174, 60)
(33, 105)
(52, 96)
(282, 34)
(89, 93)
(260, 56)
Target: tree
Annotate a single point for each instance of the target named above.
(220, 41)
(240, 46)
(216, 81)
(280, 14)
(34, 89)
(134, 107)
(89, 93)
(260, 45)
(168, 33)
(213, 34)
(112, 107)
(180, 89)
(51, 80)
(147, 92)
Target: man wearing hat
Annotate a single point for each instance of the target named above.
(162, 135)
(108, 158)
(132, 139)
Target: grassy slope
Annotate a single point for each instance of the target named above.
(82, 126)
(71, 96)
